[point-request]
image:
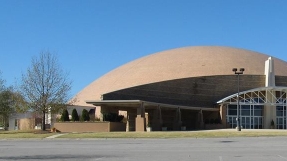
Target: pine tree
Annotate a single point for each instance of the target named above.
(65, 115)
(85, 115)
(75, 116)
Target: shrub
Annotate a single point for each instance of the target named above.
(272, 123)
(120, 118)
(75, 116)
(148, 124)
(109, 117)
(65, 116)
(113, 117)
(85, 115)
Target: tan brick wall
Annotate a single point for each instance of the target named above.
(117, 126)
(281, 80)
(89, 126)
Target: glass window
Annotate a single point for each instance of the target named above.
(245, 107)
(258, 107)
(258, 113)
(280, 110)
(279, 113)
(245, 112)
(256, 100)
(261, 100)
(233, 107)
(251, 115)
(232, 112)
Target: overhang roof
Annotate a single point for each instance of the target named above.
(147, 104)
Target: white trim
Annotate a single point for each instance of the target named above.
(248, 97)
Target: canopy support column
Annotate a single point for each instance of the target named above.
(223, 115)
(131, 116)
(140, 119)
(200, 123)
(177, 120)
(157, 120)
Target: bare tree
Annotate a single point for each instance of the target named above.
(45, 85)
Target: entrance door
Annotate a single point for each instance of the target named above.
(245, 122)
(281, 117)
(231, 120)
(251, 116)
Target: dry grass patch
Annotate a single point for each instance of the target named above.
(24, 134)
(168, 134)
(190, 134)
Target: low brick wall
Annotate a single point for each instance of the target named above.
(117, 126)
(90, 126)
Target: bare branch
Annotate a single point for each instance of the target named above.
(45, 85)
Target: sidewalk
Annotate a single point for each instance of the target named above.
(247, 130)
(55, 136)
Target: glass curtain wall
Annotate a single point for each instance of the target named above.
(251, 109)
(251, 116)
(281, 114)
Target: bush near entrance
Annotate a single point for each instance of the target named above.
(85, 115)
(75, 116)
(65, 116)
(113, 117)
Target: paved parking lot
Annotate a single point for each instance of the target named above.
(207, 149)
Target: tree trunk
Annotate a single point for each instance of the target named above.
(44, 121)
(4, 124)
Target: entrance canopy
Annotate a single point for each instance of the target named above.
(125, 104)
(261, 96)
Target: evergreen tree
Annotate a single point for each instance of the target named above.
(75, 116)
(85, 115)
(65, 116)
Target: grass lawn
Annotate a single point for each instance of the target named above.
(20, 134)
(24, 134)
(190, 134)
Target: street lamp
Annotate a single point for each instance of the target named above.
(241, 70)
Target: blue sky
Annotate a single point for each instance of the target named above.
(92, 37)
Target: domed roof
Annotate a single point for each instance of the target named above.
(179, 63)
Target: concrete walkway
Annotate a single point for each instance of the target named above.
(247, 130)
(55, 136)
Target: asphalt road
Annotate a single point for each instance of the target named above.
(211, 149)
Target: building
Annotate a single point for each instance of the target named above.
(193, 86)
(33, 120)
